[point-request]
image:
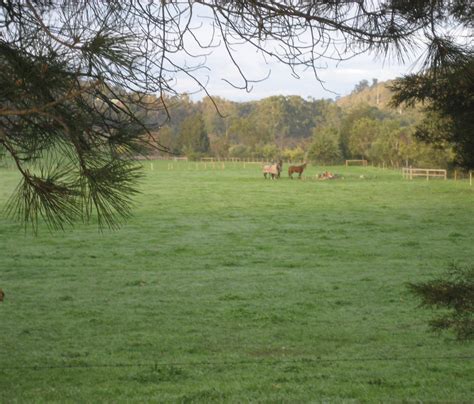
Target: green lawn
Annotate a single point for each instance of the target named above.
(228, 287)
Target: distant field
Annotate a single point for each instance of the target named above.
(228, 287)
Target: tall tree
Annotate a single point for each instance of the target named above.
(361, 86)
(325, 147)
(362, 136)
(448, 96)
(244, 130)
(76, 76)
(193, 136)
(348, 122)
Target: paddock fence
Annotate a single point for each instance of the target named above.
(221, 163)
(356, 162)
(410, 173)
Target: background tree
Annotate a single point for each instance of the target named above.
(167, 138)
(448, 94)
(217, 121)
(77, 76)
(273, 119)
(271, 152)
(219, 146)
(363, 134)
(361, 86)
(350, 118)
(386, 147)
(193, 137)
(245, 130)
(325, 146)
(326, 114)
(294, 155)
(239, 150)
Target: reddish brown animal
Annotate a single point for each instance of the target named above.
(296, 169)
(2, 295)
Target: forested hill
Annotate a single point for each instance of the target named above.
(376, 95)
(277, 122)
(360, 125)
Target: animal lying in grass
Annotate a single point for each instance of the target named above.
(2, 295)
(327, 175)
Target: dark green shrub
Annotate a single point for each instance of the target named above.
(454, 292)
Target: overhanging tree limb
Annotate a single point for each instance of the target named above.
(78, 76)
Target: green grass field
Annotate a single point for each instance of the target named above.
(227, 287)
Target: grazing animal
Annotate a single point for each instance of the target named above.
(296, 169)
(273, 170)
(2, 295)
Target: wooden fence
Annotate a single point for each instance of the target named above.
(410, 173)
(358, 162)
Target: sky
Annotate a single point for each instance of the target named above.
(339, 79)
(336, 78)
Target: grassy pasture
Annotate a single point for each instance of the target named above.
(227, 287)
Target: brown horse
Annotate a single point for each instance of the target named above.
(296, 169)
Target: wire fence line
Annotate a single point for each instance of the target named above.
(312, 361)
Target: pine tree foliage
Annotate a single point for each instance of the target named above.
(453, 292)
(77, 77)
(448, 97)
(68, 116)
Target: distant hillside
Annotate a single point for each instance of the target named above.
(377, 95)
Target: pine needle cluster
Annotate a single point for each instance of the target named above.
(453, 292)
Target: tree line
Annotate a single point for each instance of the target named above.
(296, 129)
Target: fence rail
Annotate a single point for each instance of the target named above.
(410, 173)
(358, 162)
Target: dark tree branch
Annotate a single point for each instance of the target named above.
(83, 78)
